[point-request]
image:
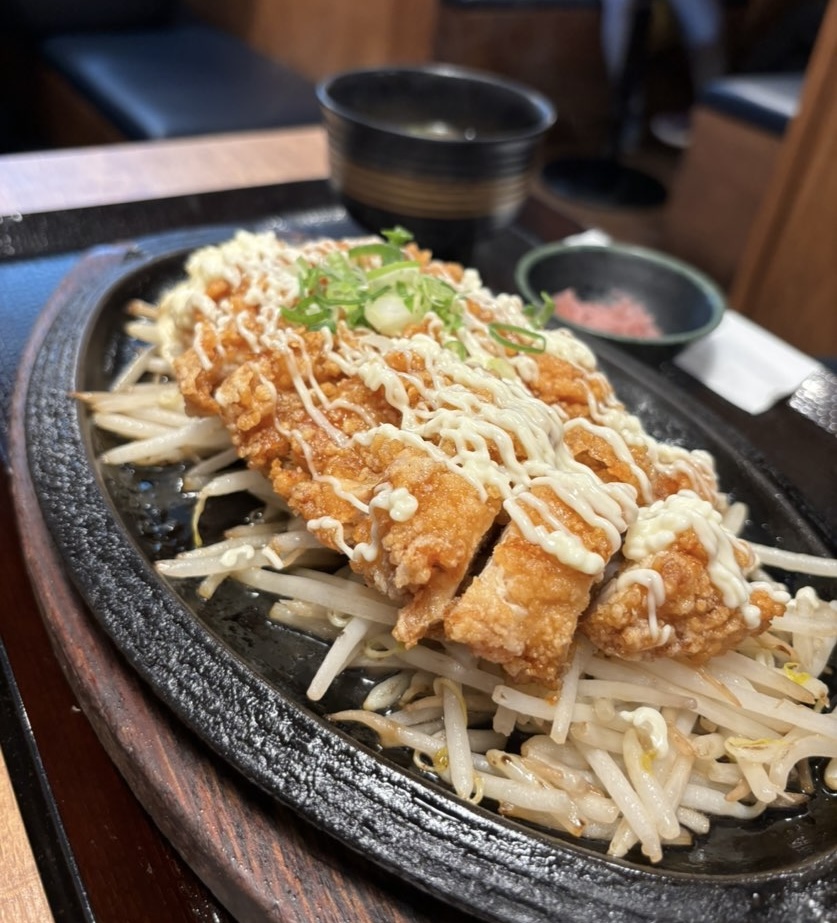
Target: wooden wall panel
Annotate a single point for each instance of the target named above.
(787, 278)
(717, 191)
(67, 118)
(317, 37)
(557, 51)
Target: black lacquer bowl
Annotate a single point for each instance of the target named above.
(238, 680)
(447, 152)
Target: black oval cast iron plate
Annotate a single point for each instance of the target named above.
(239, 680)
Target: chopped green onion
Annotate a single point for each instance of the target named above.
(391, 268)
(385, 297)
(309, 313)
(355, 315)
(442, 299)
(397, 236)
(456, 346)
(536, 344)
(387, 252)
(539, 314)
(388, 314)
(342, 295)
(501, 367)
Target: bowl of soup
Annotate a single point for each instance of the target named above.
(448, 153)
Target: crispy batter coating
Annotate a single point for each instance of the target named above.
(215, 351)
(328, 479)
(700, 624)
(576, 390)
(521, 610)
(434, 549)
(597, 451)
(615, 461)
(328, 432)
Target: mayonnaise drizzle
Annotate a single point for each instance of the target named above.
(655, 596)
(398, 502)
(654, 725)
(485, 427)
(658, 526)
(616, 440)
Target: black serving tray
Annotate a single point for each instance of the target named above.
(779, 462)
(238, 682)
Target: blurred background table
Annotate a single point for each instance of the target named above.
(103, 175)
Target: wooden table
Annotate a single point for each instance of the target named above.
(79, 177)
(98, 852)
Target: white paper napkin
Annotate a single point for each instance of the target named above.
(746, 364)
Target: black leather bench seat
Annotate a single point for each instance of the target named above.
(766, 101)
(180, 80)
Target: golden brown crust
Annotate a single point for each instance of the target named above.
(331, 443)
(701, 624)
(521, 610)
(572, 388)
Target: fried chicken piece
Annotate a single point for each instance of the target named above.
(611, 442)
(302, 442)
(604, 452)
(408, 460)
(577, 390)
(688, 597)
(421, 522)
(215, 350)
(233, 295)
(521, 611)
(654, 471)
(432, 551)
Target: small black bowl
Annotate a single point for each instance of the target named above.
(448, 153)
(685, 304)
